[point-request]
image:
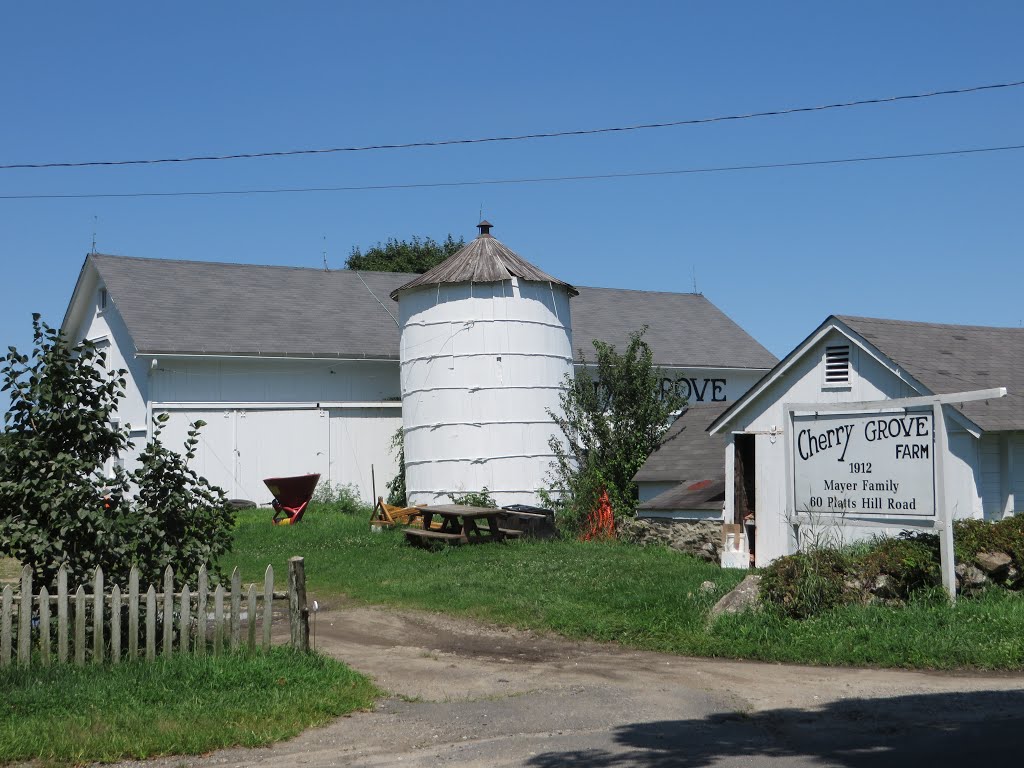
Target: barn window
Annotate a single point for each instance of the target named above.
(103, 299)
(837, 364)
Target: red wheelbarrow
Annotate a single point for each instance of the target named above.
(291, 496)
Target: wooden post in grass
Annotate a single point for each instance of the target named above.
(62, 615)
(6, 607)
(185, 625)
(80, 626)
(268, 605)
(25, 618)
(298, 614)
(236, 609)
(115, 625)
(201, 612)
(44, 626)
(133, 613)
(97, 617)
(168, 611)
(251, 626)
(150, 623)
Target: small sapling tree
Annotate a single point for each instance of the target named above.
(62, 431)
(57, 507)
(178, 518)
(611, 419)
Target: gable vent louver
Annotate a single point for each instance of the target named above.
(837, 364)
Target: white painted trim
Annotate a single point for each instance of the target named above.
(265, 406)
(258, 356)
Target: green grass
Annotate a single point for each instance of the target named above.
(643, 597)
(64, 714)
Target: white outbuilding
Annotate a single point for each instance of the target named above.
(799, 463)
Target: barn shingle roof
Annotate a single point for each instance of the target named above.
(197, 307)
(956, 358)
(691, 457)
(688, 453)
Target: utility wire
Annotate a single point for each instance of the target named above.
(530, 180)
(519, 137)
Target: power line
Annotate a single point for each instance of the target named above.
(529, 180)
(518, 137)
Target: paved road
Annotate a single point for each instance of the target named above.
(468, 695)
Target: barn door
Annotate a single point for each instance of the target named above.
(361, 449)
(273, 443)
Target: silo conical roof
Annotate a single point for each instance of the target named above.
(483, 260)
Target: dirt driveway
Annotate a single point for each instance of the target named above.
(464, 694)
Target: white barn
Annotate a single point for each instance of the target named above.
(854, 359)
(297, 370)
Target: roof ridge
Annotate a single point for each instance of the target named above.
(158, 259)
(923, 324)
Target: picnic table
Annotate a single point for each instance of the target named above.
(460, 524)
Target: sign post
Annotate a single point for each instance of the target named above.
(876, 463)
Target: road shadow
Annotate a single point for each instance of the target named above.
(931, 730)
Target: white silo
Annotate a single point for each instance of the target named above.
(486, 344)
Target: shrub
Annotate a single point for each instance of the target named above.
(610, 420)
(973, 536)
(480, 498)
(339, 499)
(910, 561)
(807, 583)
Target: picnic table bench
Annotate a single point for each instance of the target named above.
(460, 524)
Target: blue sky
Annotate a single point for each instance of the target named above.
(934, 240)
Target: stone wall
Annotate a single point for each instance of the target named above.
(700, 538)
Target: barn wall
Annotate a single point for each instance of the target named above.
(804, 383)
(106, 328)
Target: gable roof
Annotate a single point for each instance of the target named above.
(197, 307)
(956, 358)
(939, 358)
(485, 259)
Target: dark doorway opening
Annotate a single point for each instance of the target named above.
(744, 510)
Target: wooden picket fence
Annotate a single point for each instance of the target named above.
(28, 625)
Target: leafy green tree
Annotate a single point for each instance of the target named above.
(62, 406)
(611, 419)
(417, 255)
(56, 505)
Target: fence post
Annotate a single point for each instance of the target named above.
(6, 607)
(80, 626)
(44, 626)
(97, 617)
(201, 612)
(185, 629)
(150, 623)
(168, 611)
(25, 618)
(218, 620)
(298, 615)
(236, 609)
(268, 605)
(252, 617)
(133, 613)
(115, 624)
(62, 614)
